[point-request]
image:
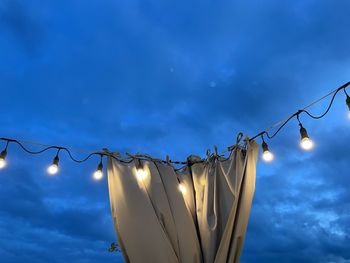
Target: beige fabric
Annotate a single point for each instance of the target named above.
(157, 223)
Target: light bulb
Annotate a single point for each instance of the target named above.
(3, 159)
(141, 174)
(306, 143)
(98, 174)
(182, 188)
(2, 163)
(349, 115)
(53, 168)
(267, 155)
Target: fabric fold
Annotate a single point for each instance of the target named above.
(204, 222)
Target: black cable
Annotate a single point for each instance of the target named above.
(280, 128)
(82, 160)
(328, 108)
(346, 93)
(59, 148)
(148, 158)
(296, 114)
(25, 149)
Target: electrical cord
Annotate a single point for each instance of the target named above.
(281, 124)
(105, 153)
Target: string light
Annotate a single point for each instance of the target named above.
(98, 174)
(282, 123)
(306, 143)
(53, 168)
(267, 155)
(3, 155)
(140, 171)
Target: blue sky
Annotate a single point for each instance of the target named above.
(172, 77)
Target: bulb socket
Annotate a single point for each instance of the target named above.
(138, 164)
(303, 132)
(3, 154)
(100, 167)
(56, 160)
(265, 147)
(348, 101)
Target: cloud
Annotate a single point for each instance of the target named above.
(305, 209)
(172, 78)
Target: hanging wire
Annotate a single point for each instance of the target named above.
(74, 159)
(48, 147)
(346, 93)
(280, 124)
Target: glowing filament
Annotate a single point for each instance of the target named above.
(268, 156)
(98, 175)
(52, 169)
(2, 163)
(306, 143)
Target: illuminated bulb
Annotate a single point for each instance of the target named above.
(182, 188)
(141, 174)
(306, 143)
(2, 163)
(3, 159)
(98, 174)
(53, 168)
(267, 155)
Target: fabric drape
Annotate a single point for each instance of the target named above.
(205, 222)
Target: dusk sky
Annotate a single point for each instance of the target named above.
(172, 77)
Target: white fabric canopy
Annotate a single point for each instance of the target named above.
(157, 223)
